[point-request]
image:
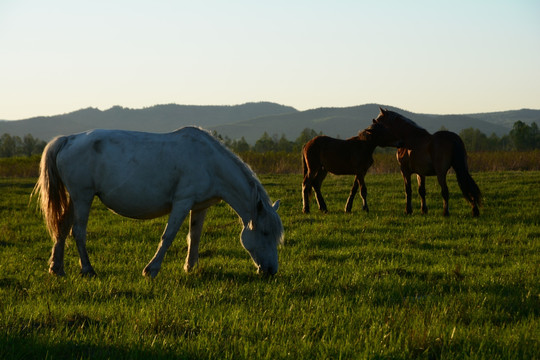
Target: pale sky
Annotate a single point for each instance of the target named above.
(444, 57)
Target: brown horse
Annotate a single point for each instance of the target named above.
(353, 156)
(428, 154)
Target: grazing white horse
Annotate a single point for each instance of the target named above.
(144, 176)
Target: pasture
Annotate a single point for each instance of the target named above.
(377, 285)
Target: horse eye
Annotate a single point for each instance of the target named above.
(265, 233)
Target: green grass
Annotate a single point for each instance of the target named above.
(379, 285)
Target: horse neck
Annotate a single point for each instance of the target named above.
(365, 146)
(413, 135)
(238, 189)
(370, 146)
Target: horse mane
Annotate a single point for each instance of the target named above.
(272, 223)
(406, 121)
(246, 169)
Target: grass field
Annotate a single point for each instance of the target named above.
(381, 285)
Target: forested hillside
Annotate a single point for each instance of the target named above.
(250, 121)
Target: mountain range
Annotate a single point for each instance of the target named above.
(251, 120)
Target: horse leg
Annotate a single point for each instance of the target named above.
(306, 193)
(56, 261)
(408, 191)
(195, 230)
(441, 177)
(422, 192)
(475, 211)
(176, 218)
(350, 200)
(363, 192)
(82, 211)
(317, 187)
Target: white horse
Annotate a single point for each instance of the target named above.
(144, 176)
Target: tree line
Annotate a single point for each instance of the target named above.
(11, 146)
(522, 137)
(267, 143)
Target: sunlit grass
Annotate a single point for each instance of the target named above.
(363, 285)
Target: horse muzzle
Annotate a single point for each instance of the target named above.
(267, 271)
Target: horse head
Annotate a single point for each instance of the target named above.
(399, 126)
(262, 235)
(380, 135)
(386, 118)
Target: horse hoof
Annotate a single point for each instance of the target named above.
(151, 273)
(57, 272)
(88, 273)
(189, 268)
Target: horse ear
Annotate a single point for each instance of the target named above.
(276, 205)
(382, 111)
(374, 121)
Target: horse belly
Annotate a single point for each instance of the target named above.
(139, 192)
(420, 163)
(341, 166)
(341, 171)
(135, 205)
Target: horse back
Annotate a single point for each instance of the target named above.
(146, 168)
(340, 157)
(434, 154)
(136, 148)
(446, 143)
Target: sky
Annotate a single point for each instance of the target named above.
(439, 57)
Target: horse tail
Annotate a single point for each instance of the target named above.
(305, 168)
(304, 163)
(51, 192)
(466, 183)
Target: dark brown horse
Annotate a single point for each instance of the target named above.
(428, 154)
(353, 156)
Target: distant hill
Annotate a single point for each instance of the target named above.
(251, 120)
(508, 118)
(346, 122)
(159, 118)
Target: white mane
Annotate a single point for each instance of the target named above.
(273, 222)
